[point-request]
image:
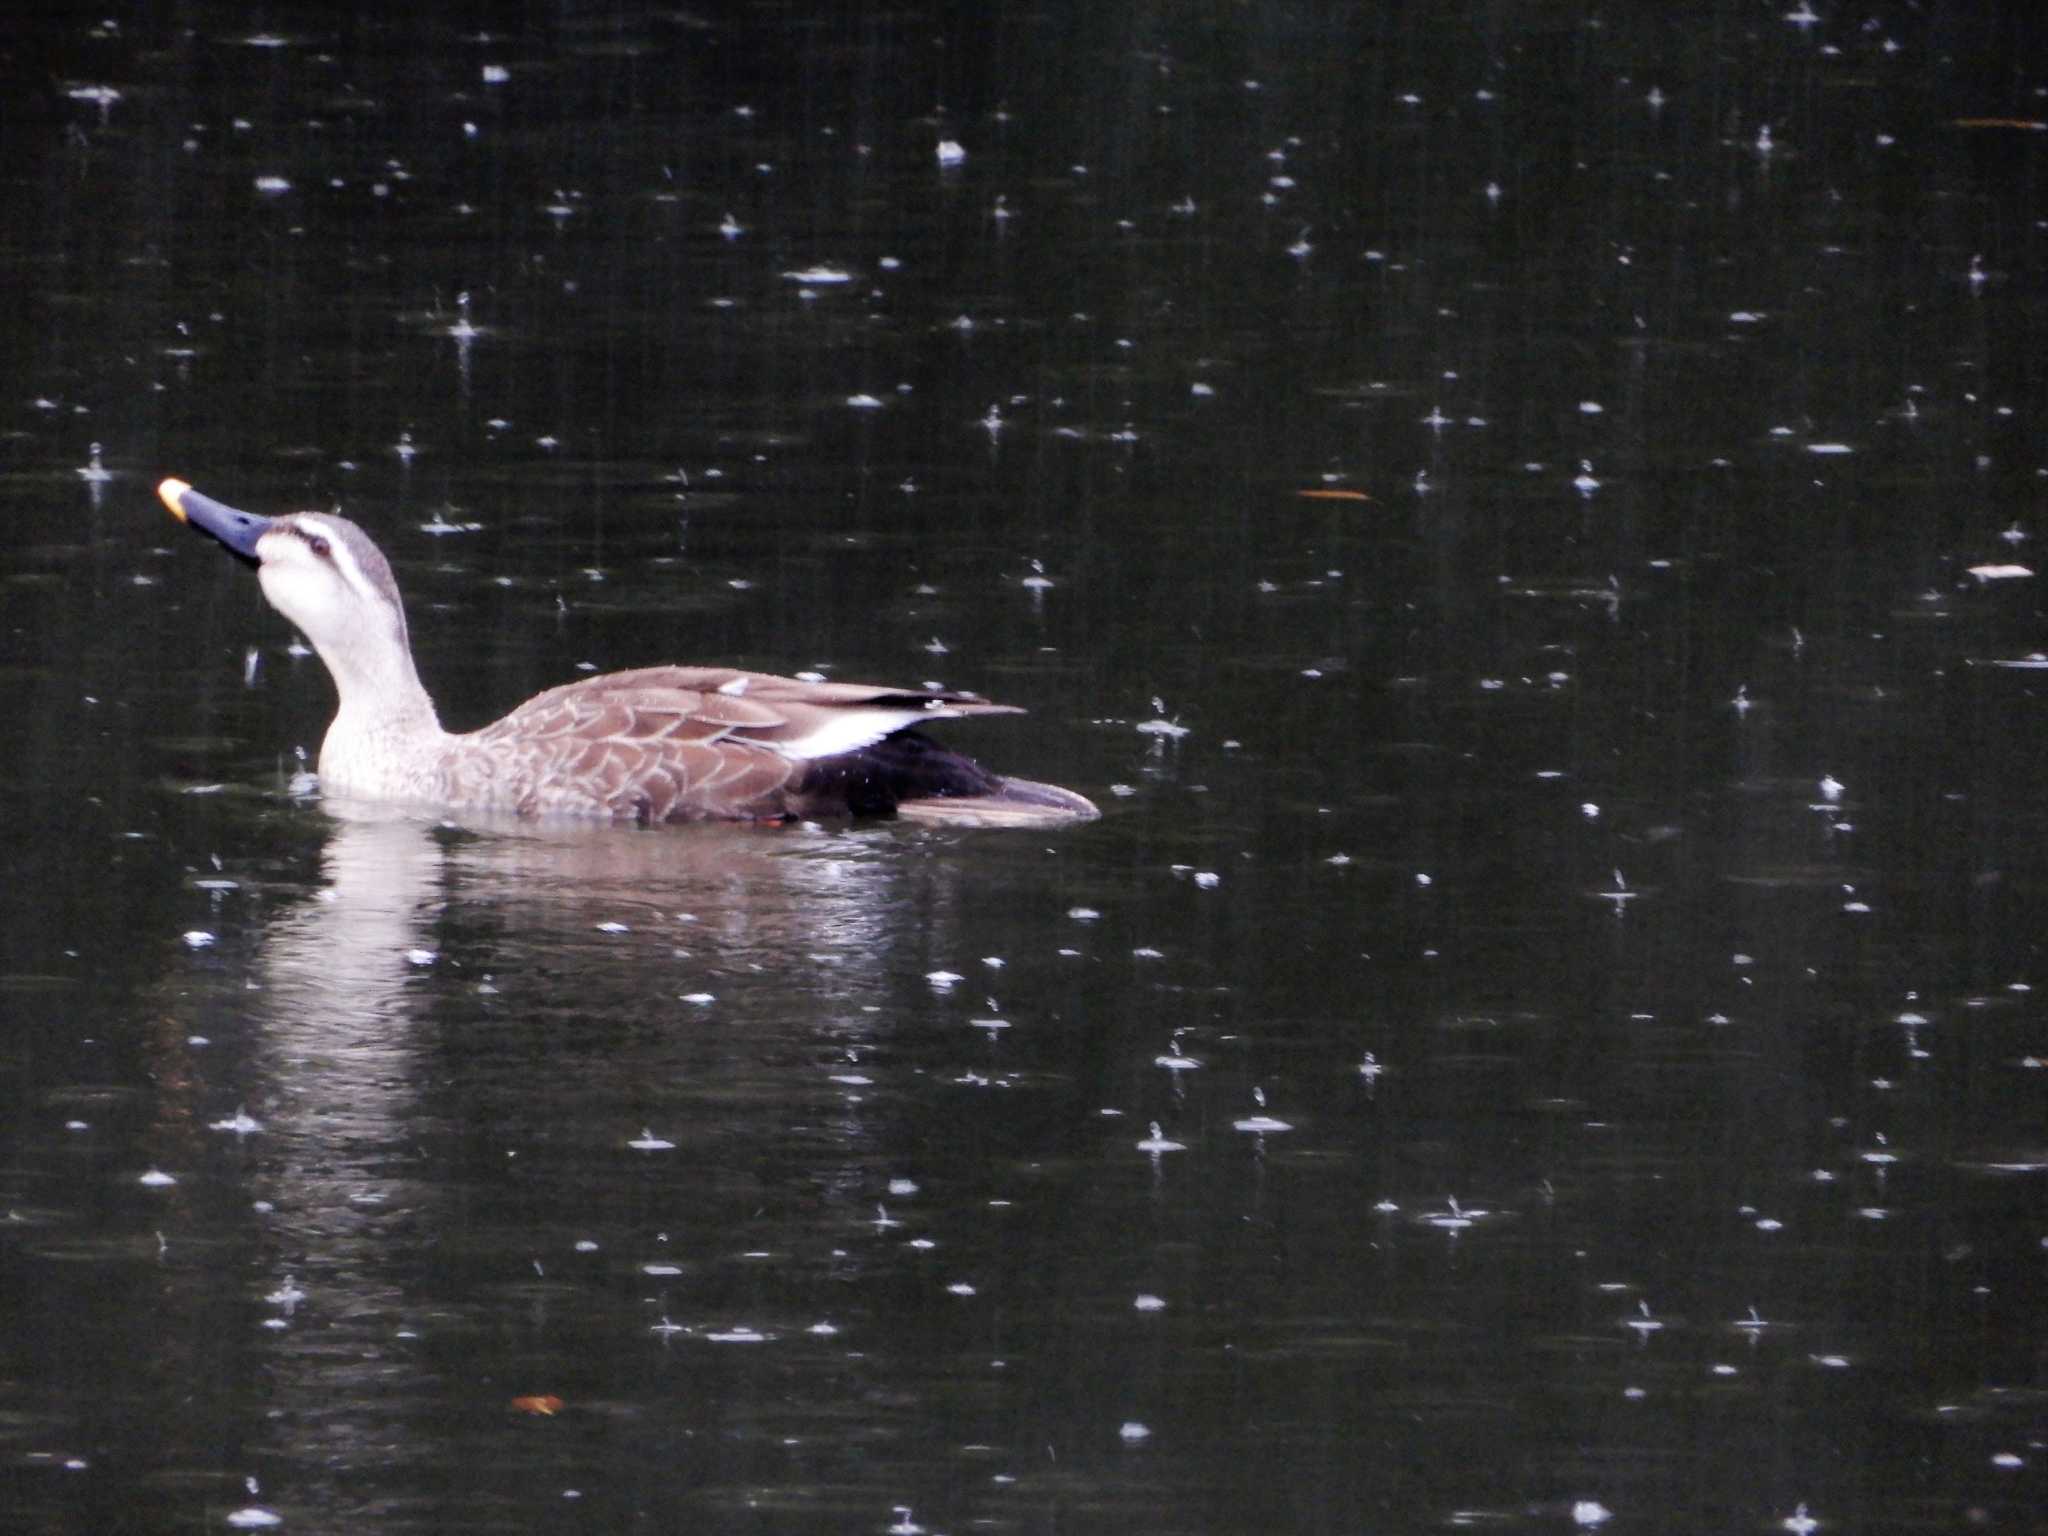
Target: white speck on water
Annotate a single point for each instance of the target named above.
(1591, 408)
(950, 152)
(1083, 914)
(1829, 450)
(272, 186)
(1144, 1301)
(1156, 1143)
(1207, 879)
(864, 402)
(613, 927)
(960, 1288)
(496, 74)
(821, 277)
(698, 999)
(1590, 1512)
(944, 980)
(1147, 952)
(1585, 483)
(254, 1517)
(661, 1271)
(288, 1295)
(1171, 730)
(1830, 788)
(1799, 1522)
(1590, 811)
(1261, 1124)
(1132, 1432)
(740, 1335)
(1454, 1218)
(421, 956)
(199, 938)
(2000, 572)
(647, 1141)
(156, 1178)
(1642, 1324)
(904, 1526)
(240, 1123)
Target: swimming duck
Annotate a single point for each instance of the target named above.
(657, 744)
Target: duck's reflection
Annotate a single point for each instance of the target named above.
(438, 964)
(458, 1043)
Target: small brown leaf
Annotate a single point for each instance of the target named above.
(2031, 125)
(1333, 495)
(545, 1404)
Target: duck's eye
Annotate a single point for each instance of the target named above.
(320, 546)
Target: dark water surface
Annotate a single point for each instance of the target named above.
(1525, 517)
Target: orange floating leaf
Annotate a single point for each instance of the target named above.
(545, 1404)
(1332, 495)
(2031, 125)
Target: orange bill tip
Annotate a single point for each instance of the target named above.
(172, 494)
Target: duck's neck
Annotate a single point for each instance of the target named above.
(385, 727)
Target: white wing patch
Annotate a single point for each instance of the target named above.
(848, 731)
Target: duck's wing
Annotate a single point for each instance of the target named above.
(684, 743)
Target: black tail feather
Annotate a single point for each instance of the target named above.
(876, 779)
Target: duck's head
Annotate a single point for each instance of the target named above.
(318, 569)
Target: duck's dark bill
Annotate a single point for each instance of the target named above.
(237, 531)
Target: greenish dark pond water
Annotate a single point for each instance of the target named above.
(1525, 518)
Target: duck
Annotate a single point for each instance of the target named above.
(652, 745)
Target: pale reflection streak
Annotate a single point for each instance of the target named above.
(357, 1000)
